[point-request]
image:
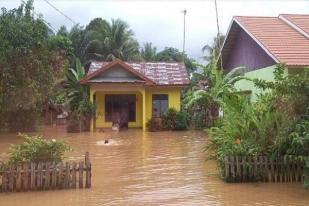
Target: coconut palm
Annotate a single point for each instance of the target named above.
(111, 40)
(149, 53)
(213, 49)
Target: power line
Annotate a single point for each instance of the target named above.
(63, 14)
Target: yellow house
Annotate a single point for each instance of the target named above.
(132, 93)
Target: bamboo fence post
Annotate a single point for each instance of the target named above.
(18, 178)
(11, 179)
(227, 167)
(54, 175)
(74, 175)
(4, 181)
(47, 176)
(67, 175)
(88, 170)
(80, 173)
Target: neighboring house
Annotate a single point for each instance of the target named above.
(134, 92)
(258, 43)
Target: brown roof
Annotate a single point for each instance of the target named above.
(301, 21)
(153, 73)
(284, 38)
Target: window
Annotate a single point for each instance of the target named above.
(159, 104)
(120, 106)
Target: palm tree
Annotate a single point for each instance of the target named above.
(149, 53)
(213, 49)
(111, 40)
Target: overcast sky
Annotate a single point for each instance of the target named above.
(161, 22)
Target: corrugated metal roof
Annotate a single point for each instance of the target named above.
(161, 73)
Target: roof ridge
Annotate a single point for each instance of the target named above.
(294, 25)
(256, 16)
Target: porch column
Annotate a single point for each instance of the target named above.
(92, 119)
(144, 109)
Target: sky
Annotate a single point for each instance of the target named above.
(161, 22)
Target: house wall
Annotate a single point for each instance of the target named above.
(174, 94)
(246, 52)
(173, 99)
(100, 108)
(266, 73)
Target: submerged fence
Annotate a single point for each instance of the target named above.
(261, 168)
(46, 176)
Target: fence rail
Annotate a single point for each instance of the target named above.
(261, 168)
(46, 176)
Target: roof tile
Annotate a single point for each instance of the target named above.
(162, 73)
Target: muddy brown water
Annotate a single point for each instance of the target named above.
(137, 168)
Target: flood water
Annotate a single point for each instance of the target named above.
(137, 168)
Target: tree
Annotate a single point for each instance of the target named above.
(174, 55)
(108, 41)
(212, 51)
(78, 98)
(29, 66)
(212, 89)
(149, 53)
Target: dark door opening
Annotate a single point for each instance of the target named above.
(120, 109)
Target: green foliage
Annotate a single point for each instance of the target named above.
(29, 65)
(274, 125)
(78, 97)
(181, 121)
(306, 173)
(154, 125)
(76, 92)
(60, 98)
(36, 149)
(210, 92)
(149, 53)
(102, 40)
(212, 51)
(170, 54)
(171, 120)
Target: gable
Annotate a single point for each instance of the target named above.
(247, 53)
(116, 74)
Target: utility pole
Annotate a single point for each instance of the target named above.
(218, 34)
(184, 31)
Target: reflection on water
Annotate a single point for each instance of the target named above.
(136, 168)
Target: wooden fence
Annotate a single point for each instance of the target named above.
(46, 176)
(261, 168)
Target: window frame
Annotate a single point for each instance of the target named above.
(160, 98)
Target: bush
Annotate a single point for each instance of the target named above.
(181, 121)
(272, 126)
(36, 149)
(154, 124)
(306, 173)
(172, 120)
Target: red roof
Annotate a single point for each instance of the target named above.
(153, 73)
(284, 38)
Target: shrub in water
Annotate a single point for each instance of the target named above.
(181, 121)
(154, 124)
(169, 119)
(37, 149)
